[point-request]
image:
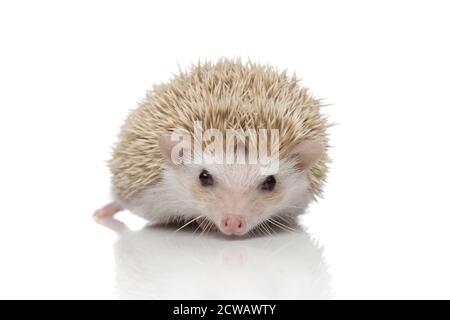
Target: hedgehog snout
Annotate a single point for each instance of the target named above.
(232, 224)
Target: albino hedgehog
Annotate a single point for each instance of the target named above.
(154, 180)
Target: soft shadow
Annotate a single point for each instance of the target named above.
(159, 263)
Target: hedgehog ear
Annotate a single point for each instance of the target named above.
(175, 147)
(307, 153)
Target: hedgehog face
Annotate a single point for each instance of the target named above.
(239, 198)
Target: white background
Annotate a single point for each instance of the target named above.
(71, 70)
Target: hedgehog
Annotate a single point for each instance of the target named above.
(176, 162)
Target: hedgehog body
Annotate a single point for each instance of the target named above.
(228, 94)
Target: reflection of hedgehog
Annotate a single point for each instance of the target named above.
(233, 197)
(289, 266)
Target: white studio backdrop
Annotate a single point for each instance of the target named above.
(71, 70)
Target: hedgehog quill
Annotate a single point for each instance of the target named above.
(232, 147)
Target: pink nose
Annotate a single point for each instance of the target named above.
(232, 224)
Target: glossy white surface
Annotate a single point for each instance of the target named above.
(70, 73)
(161, 264)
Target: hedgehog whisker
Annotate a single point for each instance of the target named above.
(204, 228)
(279, 226)
(271, 231)
(270, 227)
(210, 227)
(188, 223)
(198, 227)
(282, 225)
(207, 228)
(289, 221)
(260, 229)
(264, 228)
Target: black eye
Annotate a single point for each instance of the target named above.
(205, 178)
(269, 183)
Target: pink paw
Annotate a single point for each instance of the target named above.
(107, 211)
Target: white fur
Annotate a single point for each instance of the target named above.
(236, 190)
